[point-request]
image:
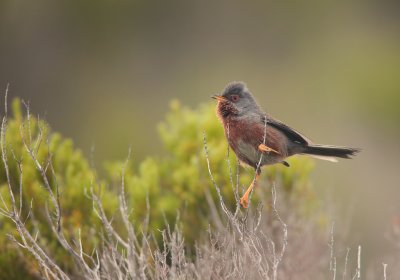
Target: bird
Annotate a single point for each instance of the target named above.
(258, 139)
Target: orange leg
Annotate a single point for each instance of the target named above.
(244, 201)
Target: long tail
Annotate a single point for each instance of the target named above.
(326, 152)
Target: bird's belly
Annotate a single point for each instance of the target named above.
(249, 154)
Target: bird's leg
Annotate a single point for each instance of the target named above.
(244, 201)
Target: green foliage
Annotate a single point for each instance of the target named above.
(73, 176)
(175, 182)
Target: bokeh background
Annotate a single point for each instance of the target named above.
(104, 72)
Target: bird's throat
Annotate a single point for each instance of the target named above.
(226, 109)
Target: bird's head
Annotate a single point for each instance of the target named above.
(236, 99)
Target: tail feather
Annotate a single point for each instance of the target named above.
(325, 151)
(331, 159)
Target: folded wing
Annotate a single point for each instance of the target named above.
(291, 134)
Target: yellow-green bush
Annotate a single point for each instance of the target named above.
(73, 176)
(175, 182)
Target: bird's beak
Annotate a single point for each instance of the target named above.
(218, 97)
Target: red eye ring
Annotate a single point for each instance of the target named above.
(235, 98)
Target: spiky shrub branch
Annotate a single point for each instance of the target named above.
(27, 240)
(118, 257)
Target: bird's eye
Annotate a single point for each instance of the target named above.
(235, 98)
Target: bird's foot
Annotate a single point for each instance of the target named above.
(265, 149)
(244, 201)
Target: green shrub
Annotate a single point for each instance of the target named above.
(173, 183)
(73, 176)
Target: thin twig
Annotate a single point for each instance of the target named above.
(346, 260)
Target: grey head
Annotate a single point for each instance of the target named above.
(240, 98)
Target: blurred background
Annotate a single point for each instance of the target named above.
(104, 72)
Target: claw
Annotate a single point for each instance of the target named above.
(244, 201)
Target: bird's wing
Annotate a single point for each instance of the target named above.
(292, 134)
